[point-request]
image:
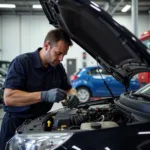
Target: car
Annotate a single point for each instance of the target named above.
(3, 73)
(4, 64)
(89, 82)
(115, 123)
(2, 79)
(137, 103)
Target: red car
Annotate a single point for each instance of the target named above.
(144, 77)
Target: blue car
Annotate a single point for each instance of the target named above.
(89, 83)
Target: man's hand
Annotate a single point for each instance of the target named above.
(53, 95)
(71, 102)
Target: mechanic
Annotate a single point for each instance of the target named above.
(34, 82)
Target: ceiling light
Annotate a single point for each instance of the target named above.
(95, 7)
(126, 8)
(37, 6)
(145, 132)
(7, 6)
(94, 4)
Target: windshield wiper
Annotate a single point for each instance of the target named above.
(142, 95)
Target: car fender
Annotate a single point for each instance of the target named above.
(85, 83)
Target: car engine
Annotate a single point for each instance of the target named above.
(91, 117)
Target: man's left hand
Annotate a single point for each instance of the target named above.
(71, 102)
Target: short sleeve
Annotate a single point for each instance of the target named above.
(16, 76)
(65, 83)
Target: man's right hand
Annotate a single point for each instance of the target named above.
(53, 95)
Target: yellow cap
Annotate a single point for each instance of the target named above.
(63, 126)
(49, 123)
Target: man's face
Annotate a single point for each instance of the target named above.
(56, 53)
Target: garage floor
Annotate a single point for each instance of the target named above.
(56, 106)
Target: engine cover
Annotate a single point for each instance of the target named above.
(68, 118)
(62, 118)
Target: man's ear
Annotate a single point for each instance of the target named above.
(46, 45)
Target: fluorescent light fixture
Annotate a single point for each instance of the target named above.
(7, 6)
(145, 132)
(37, 6)
(94, 4)
(126, 8)
(98, 9)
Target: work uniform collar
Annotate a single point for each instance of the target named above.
(37, 61)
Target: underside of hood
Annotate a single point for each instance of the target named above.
(112, 45)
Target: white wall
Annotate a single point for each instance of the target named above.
(33, 32)
(21, 34)
(10, 37)
(25, 33)
(143, 22)
(0, 36)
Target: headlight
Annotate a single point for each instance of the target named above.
(38, 141)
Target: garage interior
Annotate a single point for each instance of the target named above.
(23, 23)
(23, 28)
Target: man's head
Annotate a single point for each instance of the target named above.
(56, 45)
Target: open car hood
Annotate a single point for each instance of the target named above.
(111, 44)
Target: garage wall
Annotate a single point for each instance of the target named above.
(33, 30)
(20, 34)
(10, 36)
(143, 22)
(0, 37)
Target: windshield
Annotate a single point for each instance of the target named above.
(144, 90)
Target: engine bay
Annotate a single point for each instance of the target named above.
(88, 116)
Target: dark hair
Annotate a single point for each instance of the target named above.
(56, 35)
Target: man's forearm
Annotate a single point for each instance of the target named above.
(20, 98)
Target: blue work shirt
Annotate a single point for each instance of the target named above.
(27, 73)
